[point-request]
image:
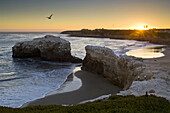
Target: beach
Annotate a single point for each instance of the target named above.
(93, 86)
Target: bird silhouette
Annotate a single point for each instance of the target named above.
(50, 16)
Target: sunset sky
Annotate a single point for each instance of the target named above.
(29, 15)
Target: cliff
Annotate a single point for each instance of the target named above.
(120, 70)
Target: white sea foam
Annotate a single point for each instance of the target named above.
(95, 99)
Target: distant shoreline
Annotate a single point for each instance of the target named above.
(155, 36)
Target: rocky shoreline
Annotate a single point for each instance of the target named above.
(157, 72)
(136, 76)
(120, 70)
(100, 60)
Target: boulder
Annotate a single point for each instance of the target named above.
(120, 70)
(48, 48)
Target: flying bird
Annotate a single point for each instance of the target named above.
(50, 16)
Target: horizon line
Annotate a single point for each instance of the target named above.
(60, 30)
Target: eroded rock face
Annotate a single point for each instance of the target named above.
(48, 48)
(118, 69)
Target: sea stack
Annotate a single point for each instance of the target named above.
(122, 71)
(50, 48)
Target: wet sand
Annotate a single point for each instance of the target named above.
(92, 86)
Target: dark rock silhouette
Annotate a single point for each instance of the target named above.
(47, 48)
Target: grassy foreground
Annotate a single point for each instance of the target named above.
(115, 104)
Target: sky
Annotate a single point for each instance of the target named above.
(29, 15)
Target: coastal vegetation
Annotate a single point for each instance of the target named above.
(157, 36)
(115, 104)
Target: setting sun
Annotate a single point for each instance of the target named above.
(141, 27)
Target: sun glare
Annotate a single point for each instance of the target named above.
(141, 27)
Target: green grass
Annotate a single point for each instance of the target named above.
(115, 104)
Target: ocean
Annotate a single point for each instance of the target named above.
(24, 80)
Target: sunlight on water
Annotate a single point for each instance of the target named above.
(10, 73)
(147, 52)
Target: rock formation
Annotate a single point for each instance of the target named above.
(120, 70)
(48, 48)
